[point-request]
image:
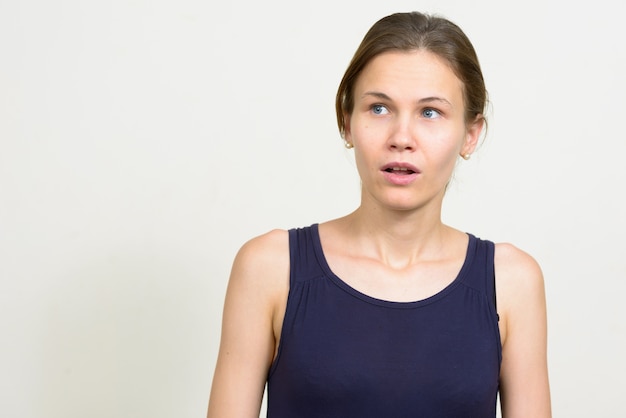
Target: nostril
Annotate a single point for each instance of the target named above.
(401, 147)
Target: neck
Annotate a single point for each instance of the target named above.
(398, 238)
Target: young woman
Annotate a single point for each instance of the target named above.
(387, 312)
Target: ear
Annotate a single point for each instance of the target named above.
(347, 134)
(472, 135)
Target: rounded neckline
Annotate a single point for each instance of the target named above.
(321, 257)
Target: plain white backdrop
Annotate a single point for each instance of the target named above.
(143, 142)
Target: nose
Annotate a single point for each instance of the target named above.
(401, 137)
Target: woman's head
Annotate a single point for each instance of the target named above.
(416, 31)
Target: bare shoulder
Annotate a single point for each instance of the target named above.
(508, 255)
(259, 280)
(524, 386)
(519, 288)
(273, 244)
(516, 269)
(256, 292)
(263, 260)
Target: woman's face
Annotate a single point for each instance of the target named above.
(408, 129)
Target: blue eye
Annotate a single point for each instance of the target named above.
(379, 110)
(430, 113)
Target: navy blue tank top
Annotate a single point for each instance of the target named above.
(343, 354)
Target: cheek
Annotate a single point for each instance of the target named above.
(453, 140)
(360, 131)
(366, 161)
(360, 158)
(444, 150)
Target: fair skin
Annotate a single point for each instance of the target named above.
(408, 128)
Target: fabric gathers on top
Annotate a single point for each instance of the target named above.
(344, 354)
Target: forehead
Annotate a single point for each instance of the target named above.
(412, 75)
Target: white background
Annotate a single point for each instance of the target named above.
(142, 142)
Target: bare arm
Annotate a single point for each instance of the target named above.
(250, 326)
(524, 387)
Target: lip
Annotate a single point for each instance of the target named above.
(400, 173)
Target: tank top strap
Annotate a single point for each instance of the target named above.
(304, 264)
(483, 276)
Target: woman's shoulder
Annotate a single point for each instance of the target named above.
(265, 252)
(261, 267)
(268, 241)
(515, 265)
(519, 288)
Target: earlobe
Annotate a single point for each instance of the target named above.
(346, 134)
(472, 135)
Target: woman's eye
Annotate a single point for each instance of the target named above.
(379, 110)
(430, 113)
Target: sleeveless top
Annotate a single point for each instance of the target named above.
(344, 354)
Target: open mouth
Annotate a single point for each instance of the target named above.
(399, 170)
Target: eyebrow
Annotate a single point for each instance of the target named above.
(429, 99)
(377, 94)
(435, 99)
